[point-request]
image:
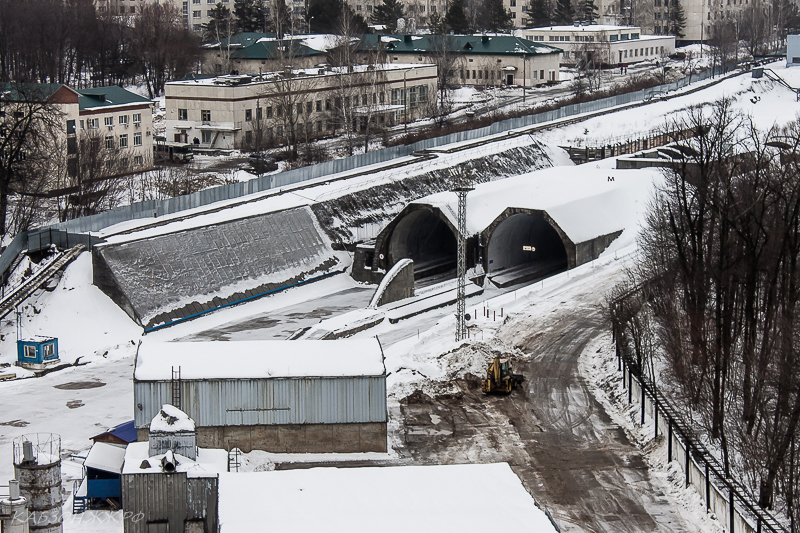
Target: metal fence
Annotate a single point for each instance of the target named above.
(726, 497)
(158, 208)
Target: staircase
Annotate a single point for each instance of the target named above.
(78, 502)
(21, 292)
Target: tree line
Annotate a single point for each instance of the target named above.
(71, 42)
(720, 304)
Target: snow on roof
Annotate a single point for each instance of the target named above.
(125, 431)
(399, 499)
(259, 359)
(590, 27)
(106, 457)
(209, 461)
(585, 201)
(170, 419)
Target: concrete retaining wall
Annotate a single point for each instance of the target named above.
(293, 438)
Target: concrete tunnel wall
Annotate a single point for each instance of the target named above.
(503, 239)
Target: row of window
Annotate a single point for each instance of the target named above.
(94, 123)
(122, 142)
(642, 52)
(307, 107)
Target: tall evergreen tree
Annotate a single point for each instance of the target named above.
(456, 18)
(323, 15)
(677, 19)
(565, 14)
(250, 15)
(220, 25)
(587, 11)
(387, 14)
(495, 16)
(538, 14)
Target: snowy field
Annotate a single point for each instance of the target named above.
(85, 400)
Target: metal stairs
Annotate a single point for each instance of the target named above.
(21, 292)
(78, 502)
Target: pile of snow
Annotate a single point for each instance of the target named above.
(171, 420)
(389, 499)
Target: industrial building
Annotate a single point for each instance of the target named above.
(482, 60)
(253, 110)
(603, 44)
(277, 396)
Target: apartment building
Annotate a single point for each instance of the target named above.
(103, 125)
(604, 44)
(247, 111)
(260, 52)
(482, 60)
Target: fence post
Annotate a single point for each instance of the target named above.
(732, 510)
(708, 490)
(688, 460)
(669, 440)
(630, 384)
(655, 411)
(641, 384)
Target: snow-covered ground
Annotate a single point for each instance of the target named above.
(85, 400)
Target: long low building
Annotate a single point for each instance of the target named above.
(252, 111)
(603, 44)
(277, 396)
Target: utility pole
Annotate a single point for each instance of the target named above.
(461, 301)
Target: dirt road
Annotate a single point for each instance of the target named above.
(559, 440)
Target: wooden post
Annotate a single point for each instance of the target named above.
(655, 412)
(688, 461)
(641, 385)
(708, 489)
(732, 511)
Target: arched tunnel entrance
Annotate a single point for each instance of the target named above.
(423, 236)
(523, 247)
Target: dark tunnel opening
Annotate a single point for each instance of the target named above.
(426, 239)
(508, 257)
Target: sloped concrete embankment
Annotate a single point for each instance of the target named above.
(172, 277)
(378, 205)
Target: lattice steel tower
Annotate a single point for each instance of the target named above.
(461, 304)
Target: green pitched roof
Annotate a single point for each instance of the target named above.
(465, 44)
(241, 40)
(108, 96)
(28, 91)
(269, 50)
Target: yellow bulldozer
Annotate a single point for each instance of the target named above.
(499, 378)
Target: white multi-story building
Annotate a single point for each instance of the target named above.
(239, 111)
(605, 44)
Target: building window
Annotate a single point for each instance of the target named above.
(196, 14)
(513, 3)
(309, 107)
(70, 127)
(319, 106)
(110, 142)
(369, 8)
(123, 140)
(83, 127)
(206, 137)
(30, 352)
(205, 115)
(328, 104)
(269, 112)
(358, 7)
(183, 114)
(123, 119)
(299, 108)
(138, 160)
(197, 27)
(109, 121)
(93, 123)
(248, 114)
(433, 9)
(513, 14)
(137, 139)
(137, 118)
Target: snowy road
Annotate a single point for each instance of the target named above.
(572, 457)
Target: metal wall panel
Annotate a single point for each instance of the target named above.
(244, 402)
(173, 497)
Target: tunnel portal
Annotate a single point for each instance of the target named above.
(425, 238)
(509, 259)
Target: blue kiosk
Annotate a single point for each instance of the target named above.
(37, 353)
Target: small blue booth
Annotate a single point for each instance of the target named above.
(37, 352)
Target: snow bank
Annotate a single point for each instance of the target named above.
(171, 420)
(259, 359)
(389, 499)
